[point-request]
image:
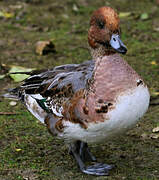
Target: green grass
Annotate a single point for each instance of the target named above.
(26, 148)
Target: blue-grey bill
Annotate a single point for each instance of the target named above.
(117, 44)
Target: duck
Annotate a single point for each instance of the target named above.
(91, 102)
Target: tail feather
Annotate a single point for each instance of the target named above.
(30, 102)
(12, 93)
(10, 96)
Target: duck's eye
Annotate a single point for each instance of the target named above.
(101, 24)
(117, 31)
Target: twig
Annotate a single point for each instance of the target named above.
(8, 113)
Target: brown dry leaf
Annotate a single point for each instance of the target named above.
(44, 47)
(157, 2)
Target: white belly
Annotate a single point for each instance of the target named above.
(130, 107)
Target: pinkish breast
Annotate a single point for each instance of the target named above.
(112, 77)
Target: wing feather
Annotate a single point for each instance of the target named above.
(51, 81)
(45, 91)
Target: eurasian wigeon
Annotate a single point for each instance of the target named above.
(89, 102)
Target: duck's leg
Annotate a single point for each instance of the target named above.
(84, 152)
(80, 150)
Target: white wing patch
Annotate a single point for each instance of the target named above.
(40, 113)
(37, 96)
(57, 112)
(34, 107)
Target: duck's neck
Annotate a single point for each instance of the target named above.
(100, 52)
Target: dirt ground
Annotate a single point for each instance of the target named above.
(27, 151)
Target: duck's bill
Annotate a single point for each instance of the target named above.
(117, 44)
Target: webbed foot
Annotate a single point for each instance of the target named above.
(98, 169)
(81, 153)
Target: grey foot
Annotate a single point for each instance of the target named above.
(98, 169)
(81, 153)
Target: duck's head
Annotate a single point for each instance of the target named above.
(104, 33)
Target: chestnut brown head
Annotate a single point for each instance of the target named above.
(105, 31)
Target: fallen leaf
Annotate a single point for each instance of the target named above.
(44, 47)
(144, 16)
(13, 103)
(124, 14)
(144, 136)
(155, 93)
(156, 29)
(157, 2)
(154, 63)
(18, 149)
(155, 25)
(15, 7)
(19, 77)
(65, 16)
(75, 8)
(2, 76)
(154, 136)
(1, 14)
(6, 14)
(155, 130)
